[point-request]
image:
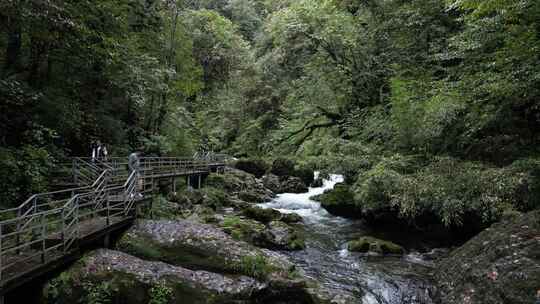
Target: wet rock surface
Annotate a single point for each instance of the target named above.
(500, 265)
(371, 244)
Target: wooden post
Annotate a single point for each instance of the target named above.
(173, 185)
(200, 181)
(187, 181)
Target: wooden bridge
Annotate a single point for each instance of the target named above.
(49, 229)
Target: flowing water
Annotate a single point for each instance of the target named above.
(352, 277)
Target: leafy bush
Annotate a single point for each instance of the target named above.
(451, 190)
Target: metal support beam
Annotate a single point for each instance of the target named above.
(107, 241)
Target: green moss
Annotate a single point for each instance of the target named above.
(367, 243)
(340, 194)
(255, 266)
(297, 243)
(262, 215)
(214, 198)
(245, 230)
(160, 294)
(290, 218)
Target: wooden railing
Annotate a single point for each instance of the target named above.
(49, 225)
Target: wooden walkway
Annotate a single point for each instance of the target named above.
(49, 229)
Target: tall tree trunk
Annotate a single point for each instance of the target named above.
(169, 57)
(14, 43)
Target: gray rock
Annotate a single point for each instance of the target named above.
(285, 237)
(293, 184)
(499, 265)
(272, 182)
(105, 276)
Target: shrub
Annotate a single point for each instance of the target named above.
(450, 190)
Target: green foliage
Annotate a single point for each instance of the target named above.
(97, 293)
(449, 189)
(255, 266)
(264, 215)
(160, 293)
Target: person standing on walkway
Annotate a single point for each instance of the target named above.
(134, 166)
(93, 147)
(104, 153)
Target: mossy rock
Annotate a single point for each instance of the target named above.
(106, 276)
(501, 264)
(192, 245)
(307, 175)
(275, 235)
(283, 167)
(339, 201)
(214, 198)
(247, 230)
(291, 218)
(285, 237)
(261, 214)
(256, 167)
(317, 183)
(371, 244)
(250, 197)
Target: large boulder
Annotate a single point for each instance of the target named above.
(241, 184)
(293, 184)
(264, 215)
(283, 167)
(285, 237)
(106, 276)
(499, 265)
(317, 183)
(267, 215)
(339, 201)
(307, 175)
(275, 235)
(199, 246)
(371, 244)
(272, 182)
(256, 167)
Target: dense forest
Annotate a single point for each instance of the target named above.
(423, 105)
